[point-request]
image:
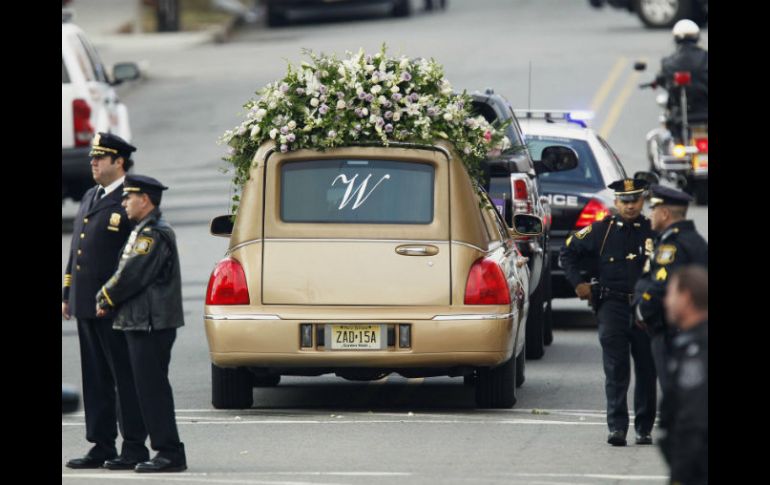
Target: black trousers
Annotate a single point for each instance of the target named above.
(109, 395)
(150, 354)
(618, 338)
(660, 341)
(686, 453)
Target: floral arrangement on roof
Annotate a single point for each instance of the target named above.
(361, 99)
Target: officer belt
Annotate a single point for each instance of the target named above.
(607, 293)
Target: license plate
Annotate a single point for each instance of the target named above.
(355, 337)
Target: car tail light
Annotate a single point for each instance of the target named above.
(521, 202)
(682, 78)
(592, 212)
(81, 117)
(486, 284)
(227, 285)
(702, 144)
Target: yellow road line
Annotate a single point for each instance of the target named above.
(606, 87)
(617, 106)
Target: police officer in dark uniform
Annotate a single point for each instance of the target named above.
(678, 244)
(101, 228)
(684, 408)
(619, 245)
(145, 296)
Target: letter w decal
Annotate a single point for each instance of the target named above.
(359, 192)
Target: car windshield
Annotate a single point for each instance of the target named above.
(585, 174)
(357, 191)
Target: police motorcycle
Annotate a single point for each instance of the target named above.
(681, 158)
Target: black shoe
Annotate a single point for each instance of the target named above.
(644, 439)
(161, 464)
(617, 438)
(86, 462)
(121, 463)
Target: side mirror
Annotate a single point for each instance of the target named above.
(525, 225)
(125, 71)
(640, 66)
(650, 177)
(222, 226)
(557, 158)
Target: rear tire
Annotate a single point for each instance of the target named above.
(402, 8)
(654, 18)
(496, 388)
(231, 388)
(535, 331)
(521, 362)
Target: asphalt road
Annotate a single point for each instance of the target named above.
(327, 430)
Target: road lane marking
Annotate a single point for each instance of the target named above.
(600, 476)
(381, 421)
(617, 106)
(609, 82)
(187, 478)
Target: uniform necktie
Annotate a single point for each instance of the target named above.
(99, 194)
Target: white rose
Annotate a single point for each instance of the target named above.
(255, 131)
(395, 89)
(291, 124)
(448, 116)
(341, 104)
(314, 102)
(359, 89)
(364, 111)
(261, 112)
(376, 90)
(372, 119)
(341, 71)
(375, 79)
(383, 67)
(282, 139)
(272, 105)
(273, 133)
(396, 116)
(369, 68)
(404, 63)
(382, 99)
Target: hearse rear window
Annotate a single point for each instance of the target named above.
(357, 191)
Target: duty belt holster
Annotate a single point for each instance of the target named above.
(608, 294)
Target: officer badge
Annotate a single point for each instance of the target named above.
(628, 185)
(114, 222)
(661, 275)
(665, 254)
(583, 232)
(648, 246)
(96, 140)
(143, 245)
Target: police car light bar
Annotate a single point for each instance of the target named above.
(579, 117)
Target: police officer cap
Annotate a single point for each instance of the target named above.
(109, 144)
(660, 195)
(142, 184)
(629, 190)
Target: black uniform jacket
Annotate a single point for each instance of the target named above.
(678, 245)
(688, 57)
(621, 248)
(146, 290)
(99, 231)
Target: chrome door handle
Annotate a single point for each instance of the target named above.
(417, 250)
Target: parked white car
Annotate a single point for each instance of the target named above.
(89, 105)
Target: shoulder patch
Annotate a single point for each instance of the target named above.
(661, 275)
(665, 254)
(583, 232)
(143, 245)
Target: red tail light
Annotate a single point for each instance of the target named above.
(81, 116)
(682, 78)
(227, 285)
(486, 284)
(521, 202)
(520, 189)
(592, 212)
(702, 144)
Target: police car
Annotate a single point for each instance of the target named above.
(89, 105)
(577, 197)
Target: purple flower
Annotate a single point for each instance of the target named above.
(291, 137)
(380, 122)
(460, 105)
(322, 89)
(414, 97)
(284, 130)
(284, 88)
(387, 104)
(405, 76)
(432, 111)
(359, 113)
(300, 91)
(388, 115)
(284, 148)
(362, 95)
(396, 97)
(388, 128)
(369, 98)
(323, 109)
(340, 95)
